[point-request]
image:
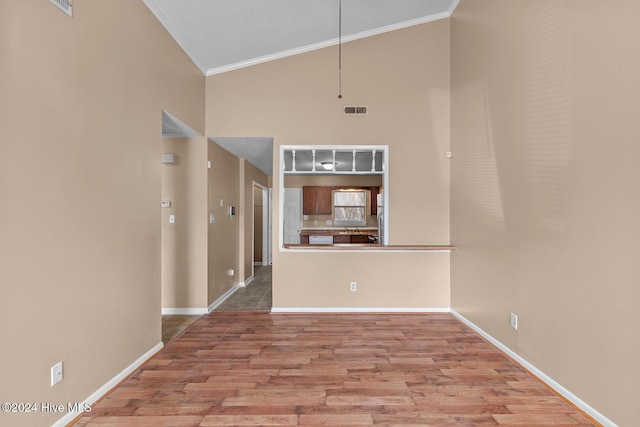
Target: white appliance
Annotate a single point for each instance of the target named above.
(320, 240)
(380, 203)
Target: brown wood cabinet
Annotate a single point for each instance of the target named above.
(316, 200)
(359, 238)
(373, 199)
(341, 238)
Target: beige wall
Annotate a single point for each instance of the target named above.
(184, 243)
(545, 176)
(403, 77)
(80, 111)
(251, 174)
(224, 233)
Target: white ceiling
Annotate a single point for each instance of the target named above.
(257, 151)
(221, 35)
(224, 35)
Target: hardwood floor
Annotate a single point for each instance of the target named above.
(257, 368)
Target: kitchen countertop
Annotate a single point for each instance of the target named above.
(373, 247)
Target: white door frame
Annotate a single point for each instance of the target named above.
(266, 217)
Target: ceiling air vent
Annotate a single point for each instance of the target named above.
(355, 111)
(64, 5)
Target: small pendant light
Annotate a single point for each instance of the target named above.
(340, 50)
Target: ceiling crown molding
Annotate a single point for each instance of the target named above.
(165, 23)
(453, 7)
(327, 43)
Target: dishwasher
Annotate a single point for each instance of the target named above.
(320, 240)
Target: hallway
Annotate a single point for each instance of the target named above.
(255, 296)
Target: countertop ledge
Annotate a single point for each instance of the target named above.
(373, 247)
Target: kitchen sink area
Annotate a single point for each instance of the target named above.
(339, 236)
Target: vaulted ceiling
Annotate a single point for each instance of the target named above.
(224, 35)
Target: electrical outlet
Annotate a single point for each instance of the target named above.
(513, 321)
(353, 286)
(56, 373)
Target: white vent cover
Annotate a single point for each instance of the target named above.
(169, 158)
(357, 111)
(64, 5)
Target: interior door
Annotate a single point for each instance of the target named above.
(292, 215)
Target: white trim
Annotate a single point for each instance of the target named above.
(357, 310)
(323, 44)
(538, 373)
(266, 205)
(249, 280)
(223, 297)
(165, 23)
(183, 311)
(270, 228)
(453, 6)
(385, 184)
(266, 242)
(70, 416)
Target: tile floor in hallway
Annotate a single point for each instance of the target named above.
(233, 368)
(175, 324)
(255, 296)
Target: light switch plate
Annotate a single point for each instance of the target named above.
(56, 373)
(172, 219)
(513, 321)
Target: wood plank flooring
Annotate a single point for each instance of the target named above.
(256, 368)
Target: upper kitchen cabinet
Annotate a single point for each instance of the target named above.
(316, 200)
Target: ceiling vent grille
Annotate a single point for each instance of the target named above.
(355, 111)
(64, 5)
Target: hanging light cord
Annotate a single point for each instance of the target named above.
(340, 50)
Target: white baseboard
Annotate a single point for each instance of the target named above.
(183, 311)
(70, 416)
(538, 373)
(223, 297)
(357, 310)
(249, 280)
